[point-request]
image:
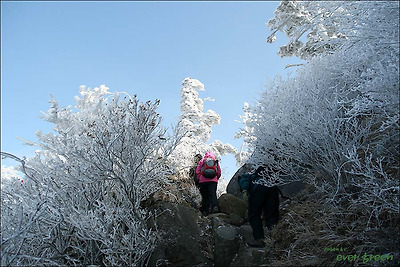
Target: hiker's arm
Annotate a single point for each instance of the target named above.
(244, 183)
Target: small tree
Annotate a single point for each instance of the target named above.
(80, 202)
(197, 126)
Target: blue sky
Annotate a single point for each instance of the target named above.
(143, 48)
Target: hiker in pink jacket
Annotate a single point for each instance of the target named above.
(208, 171)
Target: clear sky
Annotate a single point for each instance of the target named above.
(143, 48)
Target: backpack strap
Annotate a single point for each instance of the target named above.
(202, 167)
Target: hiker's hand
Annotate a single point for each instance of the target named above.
(246, 195)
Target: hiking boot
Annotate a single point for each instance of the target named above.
(258, 243)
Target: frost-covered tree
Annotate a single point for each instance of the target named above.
(337, 118)
(197, 125)
(80, 202)
(317, 27)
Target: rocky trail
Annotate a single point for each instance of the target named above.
(191, 239)
(309, 233)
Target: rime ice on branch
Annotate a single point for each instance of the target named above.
(81, 203)
(337, 119)
(198, 124)
(322, 27)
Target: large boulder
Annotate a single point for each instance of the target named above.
(226, 245)
(184, 239)
(230, 204)
(245, 232)
(248, 256)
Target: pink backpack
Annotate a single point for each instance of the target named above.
(209, 168)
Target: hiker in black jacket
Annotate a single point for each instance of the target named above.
(261, 199)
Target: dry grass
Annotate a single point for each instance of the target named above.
(310, 228)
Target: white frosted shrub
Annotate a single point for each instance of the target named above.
(80, 202)
(337, 117)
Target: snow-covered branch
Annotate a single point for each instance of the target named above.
(336, 121)
(82, 204)
(322, 27)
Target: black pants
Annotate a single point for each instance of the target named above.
(208, 191)
(263, 200)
